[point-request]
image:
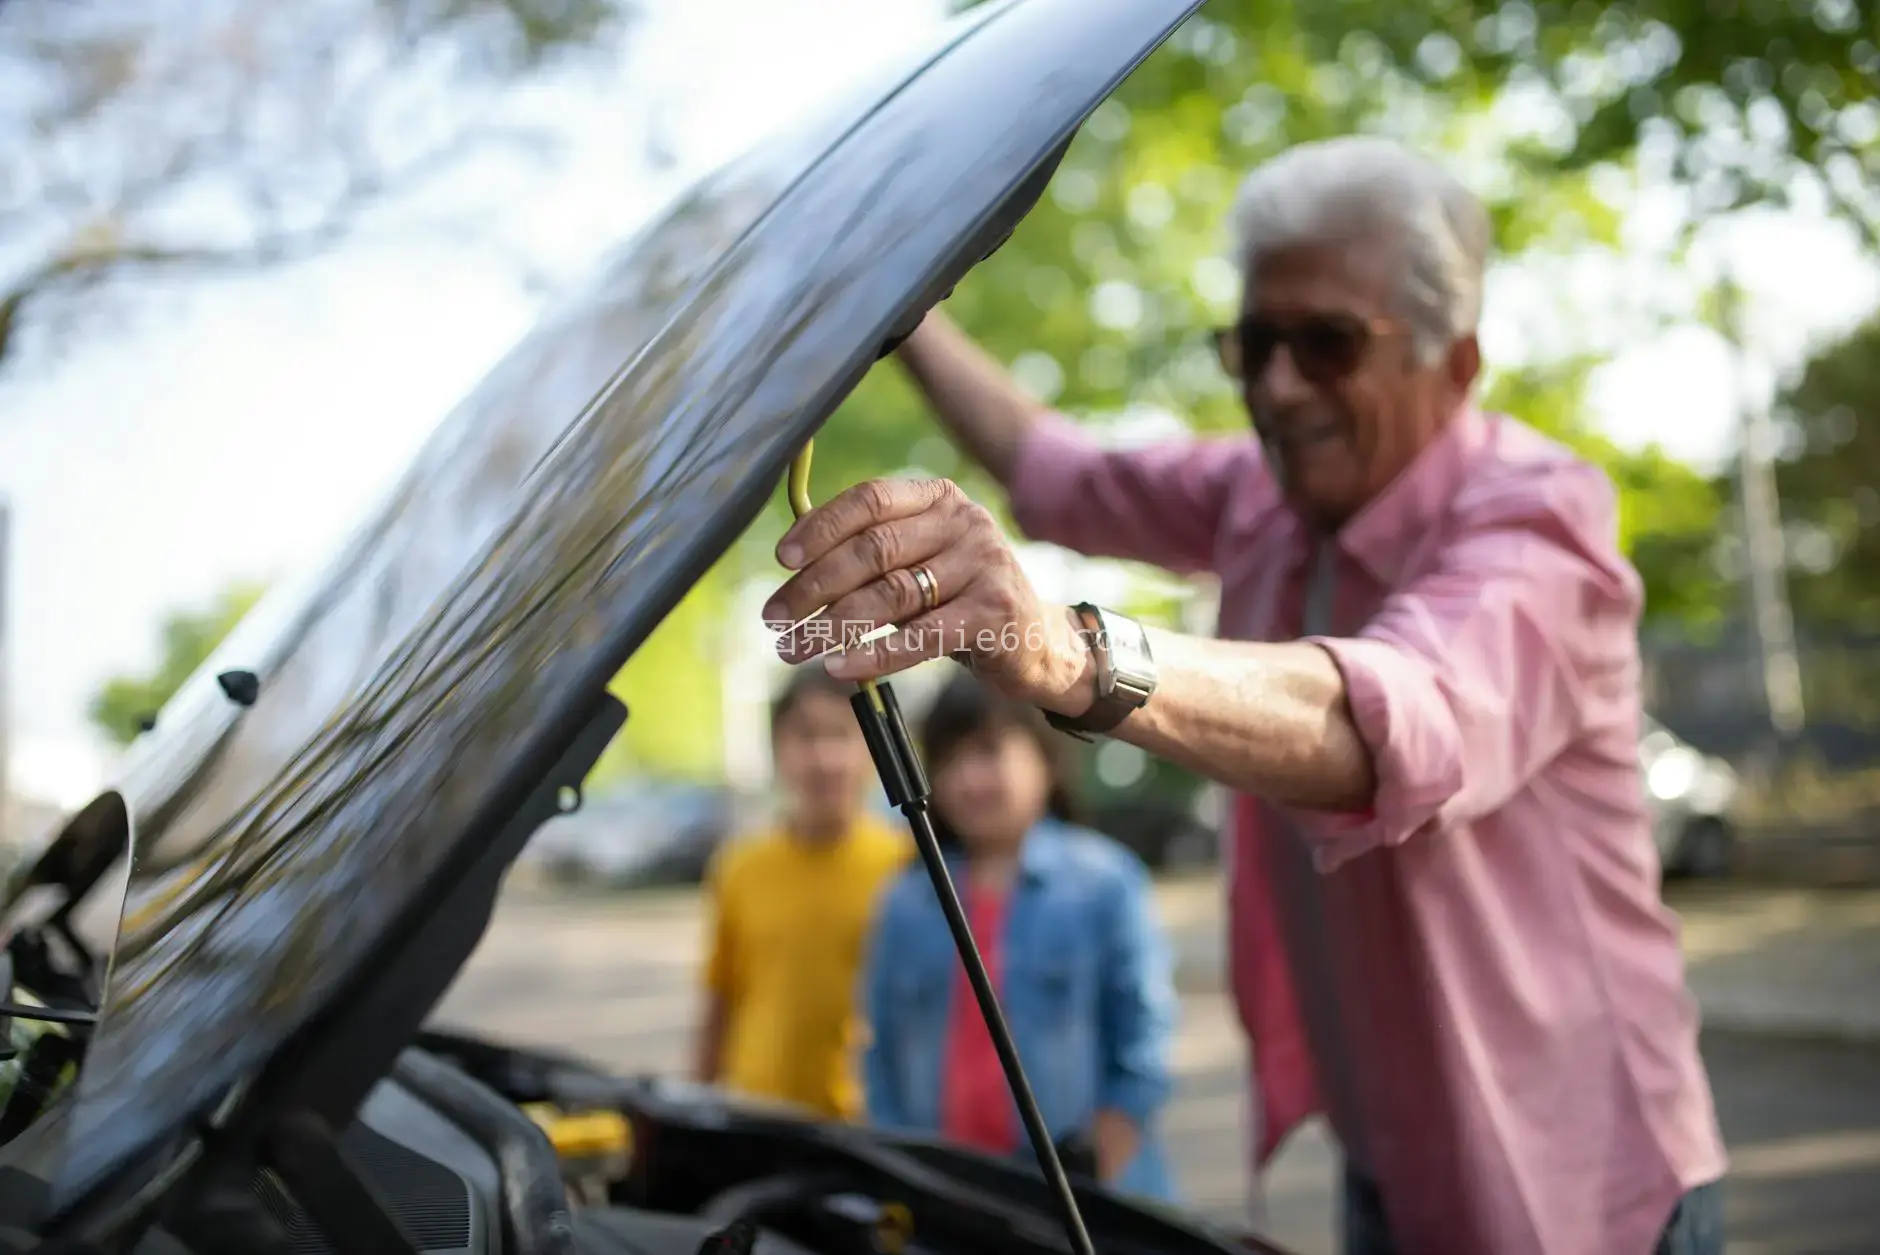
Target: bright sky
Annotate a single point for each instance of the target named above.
(236, 430)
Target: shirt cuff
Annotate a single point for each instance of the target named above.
(1416, 751)
(1137, 1097)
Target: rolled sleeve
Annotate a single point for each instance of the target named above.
(1476, 676)
(1416, 750)
(1162, 504)
(1138, 1016)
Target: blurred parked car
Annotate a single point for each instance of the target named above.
(644, 834)
(1171, 831)
(1692, 795)
(1167, 837)
(1148, 804)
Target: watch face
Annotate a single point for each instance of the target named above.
(1125, 641)
(1128, 650)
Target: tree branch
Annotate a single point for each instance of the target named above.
(282, 114)
(86, 267)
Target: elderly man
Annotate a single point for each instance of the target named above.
(1446, 928)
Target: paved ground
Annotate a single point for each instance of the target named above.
(614, 980)
(1761, 958)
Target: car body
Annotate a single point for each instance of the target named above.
(1170, 837)
(314, 856)
(1692, 796)
(642, 834)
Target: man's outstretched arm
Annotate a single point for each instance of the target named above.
(1457, 693)
(1271, 720)
(1451, 699)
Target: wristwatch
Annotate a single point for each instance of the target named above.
(1125, 671)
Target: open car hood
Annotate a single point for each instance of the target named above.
(416, 692)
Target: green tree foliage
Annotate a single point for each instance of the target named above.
(1743, 101)
(673, 688)
(1103, 299)
(1830, 486)
(186, 640)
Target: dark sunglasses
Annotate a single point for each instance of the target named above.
(1325, 348)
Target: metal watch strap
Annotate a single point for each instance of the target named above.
(1109, 709)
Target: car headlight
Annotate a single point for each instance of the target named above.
(1672, 774)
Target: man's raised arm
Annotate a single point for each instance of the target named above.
(1161, 505)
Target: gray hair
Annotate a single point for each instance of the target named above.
(1341, 190)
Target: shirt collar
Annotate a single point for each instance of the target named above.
(1041, 854)
(1384, 535)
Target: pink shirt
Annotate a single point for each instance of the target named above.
(1477, 982)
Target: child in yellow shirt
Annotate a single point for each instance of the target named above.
(788, 914)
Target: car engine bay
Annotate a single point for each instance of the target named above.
(475, 1147)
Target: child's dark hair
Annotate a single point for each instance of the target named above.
(967, 708)
(808, 680)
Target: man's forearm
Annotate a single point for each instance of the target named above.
(1266, 719)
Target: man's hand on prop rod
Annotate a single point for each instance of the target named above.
(1268, 719)
(917, 554)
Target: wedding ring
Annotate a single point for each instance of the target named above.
(929, 587)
